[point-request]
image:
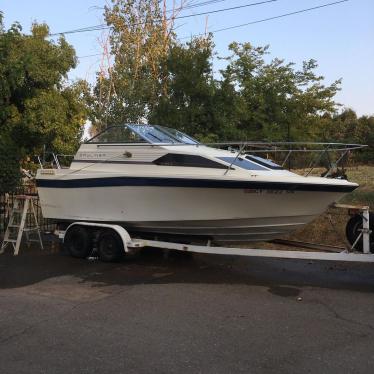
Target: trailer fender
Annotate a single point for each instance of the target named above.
(124, 235)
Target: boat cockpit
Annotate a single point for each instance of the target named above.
(140, 134)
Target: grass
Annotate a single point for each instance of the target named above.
(364, 176)
(329, 228)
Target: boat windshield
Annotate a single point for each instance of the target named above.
(117, 134)
(136, 133)
(183, 138)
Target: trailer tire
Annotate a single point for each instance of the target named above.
(352, 231)
(110, 246)
(78, 241)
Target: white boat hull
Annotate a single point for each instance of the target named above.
(127, 184)
(222, 215)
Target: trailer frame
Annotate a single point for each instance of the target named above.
(133, 244)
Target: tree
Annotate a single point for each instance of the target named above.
(365, 135)
(190, 103)
(37, 108)
(347, 127)
(140, 39)
(276, 102)
(9, 165)
(157, 79)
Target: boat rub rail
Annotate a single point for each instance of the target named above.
(191, 183)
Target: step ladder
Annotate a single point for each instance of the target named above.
(23, 219)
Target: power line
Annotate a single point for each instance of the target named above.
(227, 9)
(96, 54)
(105, 27)
(257, 21)
(197, 5)
(269, 18)
(184, 7)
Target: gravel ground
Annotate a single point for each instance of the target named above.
(184, 314)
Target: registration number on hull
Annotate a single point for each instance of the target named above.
(262, 191)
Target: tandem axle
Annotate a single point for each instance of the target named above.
(113, 242)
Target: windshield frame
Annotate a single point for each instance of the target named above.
(178, 135)
(136, 128)
(174, 140)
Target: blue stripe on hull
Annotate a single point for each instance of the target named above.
(187, 183)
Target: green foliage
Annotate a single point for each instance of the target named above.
(346, 127)
(159, 80)
(140, 40)
(274, 100)
(9, 165)
(251, 99)
(189, 105)
(37, 108)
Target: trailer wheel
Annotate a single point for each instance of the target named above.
(352, 231)
(78, 242)
(110, 246)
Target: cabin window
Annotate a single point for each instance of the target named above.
(175, 159)
(242, 163)
(265, 162)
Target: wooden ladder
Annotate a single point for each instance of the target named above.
(23, 219)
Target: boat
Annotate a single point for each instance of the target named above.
(158, 182)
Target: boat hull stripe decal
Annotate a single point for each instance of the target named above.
(187, 183)
(115, 162)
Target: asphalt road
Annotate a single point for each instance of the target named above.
(202, 314)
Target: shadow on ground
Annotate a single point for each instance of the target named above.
(283, 277)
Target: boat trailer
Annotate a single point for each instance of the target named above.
(114, 240)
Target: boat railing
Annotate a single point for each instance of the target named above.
(283, 152)
(286, 154)
(51, 160)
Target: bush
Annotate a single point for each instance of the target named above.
(10, 174)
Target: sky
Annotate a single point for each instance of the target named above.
(339, 37)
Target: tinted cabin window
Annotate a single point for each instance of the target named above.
(242, 163)
(264, 161)
(188, 160)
